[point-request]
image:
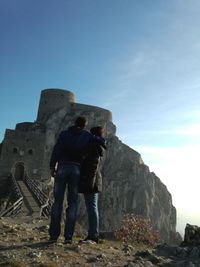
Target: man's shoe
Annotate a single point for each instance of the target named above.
(68, 241)
(95, 239)
(52, 240)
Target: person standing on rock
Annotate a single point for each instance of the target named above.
(91, 182)
(67, 154)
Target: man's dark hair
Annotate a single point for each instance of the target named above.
(81, 122)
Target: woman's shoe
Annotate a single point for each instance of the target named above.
(88, 238)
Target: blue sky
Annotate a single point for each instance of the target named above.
(137, 58)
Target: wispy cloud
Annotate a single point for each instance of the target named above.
(135, 66)
(116, 98)
(192, 130)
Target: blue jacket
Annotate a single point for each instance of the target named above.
(71, 145)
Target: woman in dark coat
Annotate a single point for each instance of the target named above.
(91, 182)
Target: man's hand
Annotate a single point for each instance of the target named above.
(53, 172)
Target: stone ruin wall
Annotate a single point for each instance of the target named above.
(22, 147)
(128, 185)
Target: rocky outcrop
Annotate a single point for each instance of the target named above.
(192, 235)
(129, 187)
(166, 256)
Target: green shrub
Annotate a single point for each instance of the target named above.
(136, 228)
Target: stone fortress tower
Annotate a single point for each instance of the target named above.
(52, 100)
(128, 185)
(26, 150)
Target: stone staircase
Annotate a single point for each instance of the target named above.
(30, 206)
(27, 198)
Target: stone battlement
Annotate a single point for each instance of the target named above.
(52, 100)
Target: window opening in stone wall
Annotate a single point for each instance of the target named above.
(30, 151)
(15, 150)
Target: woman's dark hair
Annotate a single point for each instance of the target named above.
(98, 131)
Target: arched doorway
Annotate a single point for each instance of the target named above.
(19, 171)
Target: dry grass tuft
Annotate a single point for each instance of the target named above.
(11, 263)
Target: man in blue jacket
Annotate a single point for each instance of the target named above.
(67, 155)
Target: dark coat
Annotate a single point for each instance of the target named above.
(71, 146)
(91, 179)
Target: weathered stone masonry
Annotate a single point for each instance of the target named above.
(128, 185)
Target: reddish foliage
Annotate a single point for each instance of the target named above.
(137, 229)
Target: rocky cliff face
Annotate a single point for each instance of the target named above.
(128, 185)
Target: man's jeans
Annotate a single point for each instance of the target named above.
(91, 202)
(67, 176)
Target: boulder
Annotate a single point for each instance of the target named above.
(192, 235)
